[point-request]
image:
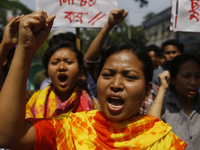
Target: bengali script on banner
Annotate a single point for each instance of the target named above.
(185, 15)
(78, 13)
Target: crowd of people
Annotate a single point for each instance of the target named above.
(132, 96)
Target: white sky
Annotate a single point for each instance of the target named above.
(136, 13)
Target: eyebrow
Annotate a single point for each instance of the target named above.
(125, 71)
(190, 73)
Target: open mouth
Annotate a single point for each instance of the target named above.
(62, 78)
(115, 103)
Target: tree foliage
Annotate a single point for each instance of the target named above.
(149, 15)
(118, 34)
(15, 7)
(142, 2)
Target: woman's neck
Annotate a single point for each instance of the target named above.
(187, 103)
(63, 96)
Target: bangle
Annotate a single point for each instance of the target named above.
(103, 34)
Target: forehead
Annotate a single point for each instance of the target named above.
(64, 52)
(170, 48)
(124, 60)
(189, 67)
(151, 53)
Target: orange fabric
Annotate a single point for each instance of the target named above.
(94, 131)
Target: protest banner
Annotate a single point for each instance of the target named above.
(185, 15)
(78, 13)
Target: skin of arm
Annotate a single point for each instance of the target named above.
(15, 132)
(156, 107)
(115, 17)
(9, 39)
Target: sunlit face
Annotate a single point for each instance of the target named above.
(63, 69)
(121, 86)
(187, 81)
(154, 60)
(170, 51)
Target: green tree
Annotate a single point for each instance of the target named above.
(15, 7)
(149, 15)
(142, 2)
(118, 34)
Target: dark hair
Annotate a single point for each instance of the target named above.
(136, 48)
(172, 42)
(154, 48)
(61, 37)
(66, 44)
(1, 35)
(177, 62)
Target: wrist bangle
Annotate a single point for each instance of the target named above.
(103, 34)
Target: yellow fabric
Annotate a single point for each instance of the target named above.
(37, 102)
(94, 131)
(35, 108)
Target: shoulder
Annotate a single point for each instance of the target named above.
(158, 71)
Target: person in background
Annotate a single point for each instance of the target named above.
(8, 43)
(54, 40)
(181, 108)
(63, 64)
(170, 49)
(94, 52)
(154, 53)
(124, 82)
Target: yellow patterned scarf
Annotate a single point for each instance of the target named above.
(45, 103)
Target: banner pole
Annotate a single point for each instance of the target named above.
(78, 41)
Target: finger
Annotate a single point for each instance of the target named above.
(119, 13)
(29, 22)
(13, 25)
(15, 20)
(40, 16)
(49, 23)
(125, 14)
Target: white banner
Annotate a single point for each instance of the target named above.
(185, 15)
(78, 13)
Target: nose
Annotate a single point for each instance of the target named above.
(171, 55)
(193, 81)
(117, 83)
(62, 66)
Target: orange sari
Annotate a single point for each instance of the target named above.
(94, 131)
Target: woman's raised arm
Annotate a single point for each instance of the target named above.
(14, 131)
(156, 107)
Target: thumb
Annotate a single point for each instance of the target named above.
(49, 22)
(125, 14)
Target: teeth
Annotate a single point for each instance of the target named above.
(114, 106)
(62, 75)
(114, 97)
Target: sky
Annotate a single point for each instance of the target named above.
(136, 13)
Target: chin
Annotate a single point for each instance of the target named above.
(116, 118)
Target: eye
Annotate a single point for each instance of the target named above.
(198, 76)
(175, 52)
(69, 62)
(107, 75)
(130, 77)
(167, 53)
(186, 76)
(54, 62)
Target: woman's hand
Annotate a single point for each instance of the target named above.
(33, 30)
(116, 16)
(164, 79)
